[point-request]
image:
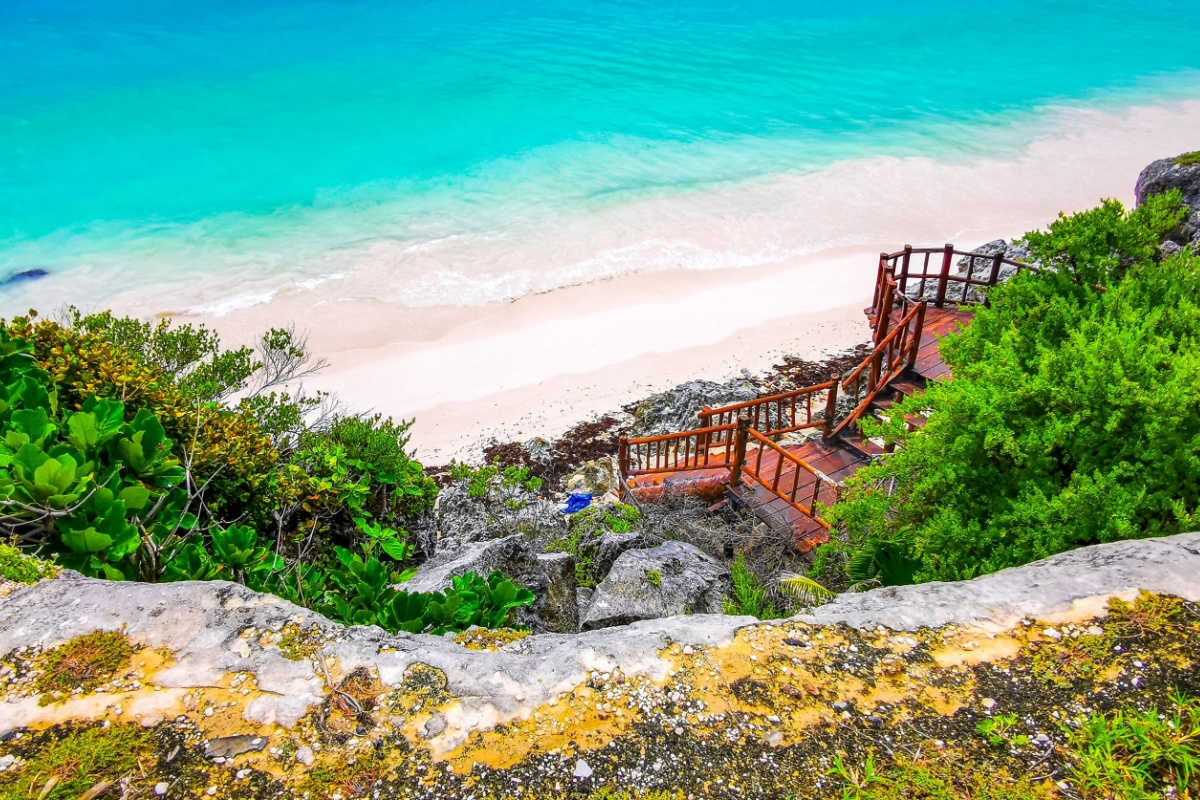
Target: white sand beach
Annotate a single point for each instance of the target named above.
(537, 364)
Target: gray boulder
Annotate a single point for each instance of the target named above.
(557, 605)
(610, 547)
(505, 510)
(673, 578)
(1166, 174)
(512, 555)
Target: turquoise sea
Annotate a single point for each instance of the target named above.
(214, 148)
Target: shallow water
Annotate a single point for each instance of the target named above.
(465, 151)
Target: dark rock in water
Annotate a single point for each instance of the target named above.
(25, 275)
(1166, 174)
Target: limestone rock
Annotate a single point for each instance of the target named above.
(673, 578)
(610, 547)
(503, 511)
(597, 478)
(452, 704)
(676, 409)
(512, 555)
(557, 605)
(1166, 174)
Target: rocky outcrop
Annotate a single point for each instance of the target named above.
(1175, 173)
(611, 545)
(676, 409)
(597, 477)
(712, 706)
(503, 511)
(673, 578)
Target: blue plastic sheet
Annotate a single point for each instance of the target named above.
(577, 502)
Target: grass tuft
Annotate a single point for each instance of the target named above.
(85, 661)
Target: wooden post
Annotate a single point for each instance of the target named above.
(880, 283)
(704, 440)
(623, 457)
(903, 282)
(885, 314)
(875, 369)
(918, 327)
(739, 449)
(830, 408)
(947, 257)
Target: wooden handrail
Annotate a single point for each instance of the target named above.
(662, 453)
(898, 349)
(790, 495)
(913, 266)
(795, 406)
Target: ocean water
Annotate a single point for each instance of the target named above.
(208, 155)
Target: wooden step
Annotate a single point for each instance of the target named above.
(853, 438)
(907, 387)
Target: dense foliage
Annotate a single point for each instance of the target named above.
(1073, 416)
(138, 451)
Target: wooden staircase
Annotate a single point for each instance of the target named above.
(786, 455)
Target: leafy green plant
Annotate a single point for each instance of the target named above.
(368, 596)
(86, 484)
(237, 548)
(654, 577)
(804, 590)
(21, 568)
(1000, 730)
(1138, 754)
(749, 596)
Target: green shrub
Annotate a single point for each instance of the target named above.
(1138, 755)
(479, 478)
(749, 596)
(87, 485)
(362, 591)
(21, 568)
(1073, 416)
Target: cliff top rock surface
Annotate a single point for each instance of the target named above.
(703, 697)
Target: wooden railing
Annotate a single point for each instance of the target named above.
(786, 412)
(890, 358)
(930, 275)
(802, 497)
(703, 448)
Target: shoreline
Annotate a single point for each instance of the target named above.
(542, 362)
